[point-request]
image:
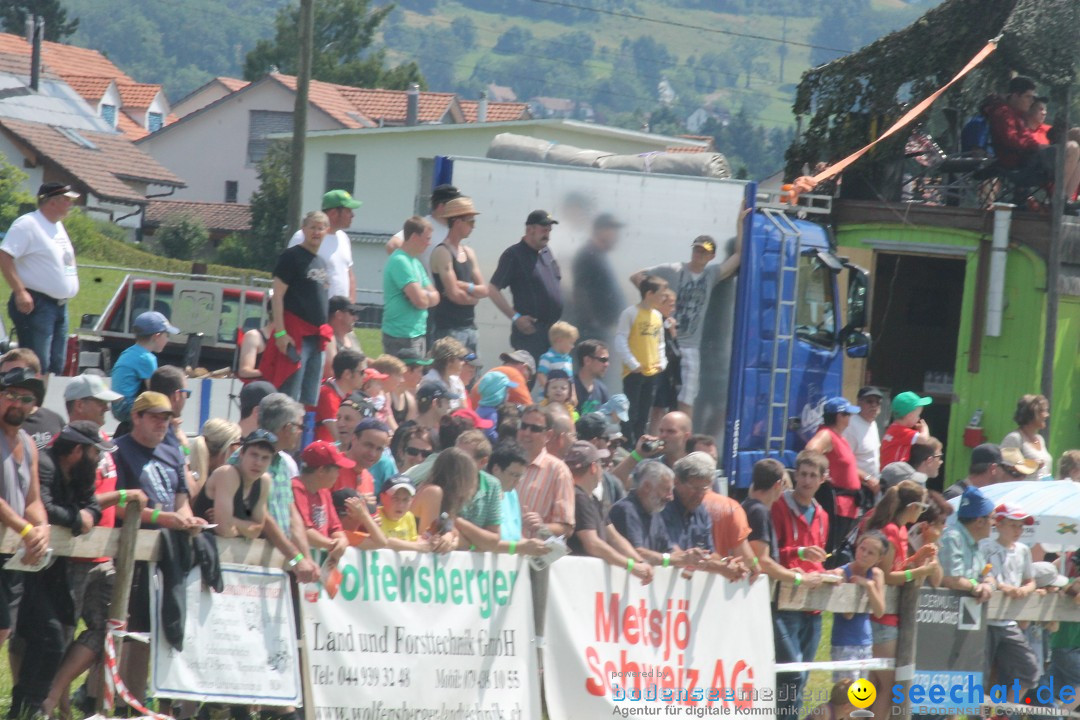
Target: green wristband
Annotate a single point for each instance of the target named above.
(280, 334)
(801, 556)
(630, 565)
(907, 576)
(123, 498)
(154, 515)
(636, 455)
(666, 560)
(513, 546)
(755, 562)
(798, 579)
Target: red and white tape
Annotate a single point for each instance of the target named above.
(114, 684)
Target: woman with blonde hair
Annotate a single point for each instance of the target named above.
(1032, 412)
(210, 450)
(449, 357)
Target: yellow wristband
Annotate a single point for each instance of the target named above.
(26, 530)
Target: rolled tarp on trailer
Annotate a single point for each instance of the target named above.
(508, 146)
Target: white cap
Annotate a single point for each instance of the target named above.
(86, 386)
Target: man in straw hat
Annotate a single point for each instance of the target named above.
(456, 273)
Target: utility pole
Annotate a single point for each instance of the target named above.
(303, 81)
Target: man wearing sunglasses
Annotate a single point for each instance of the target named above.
(693, 283)
(171, 382)
(593, 358)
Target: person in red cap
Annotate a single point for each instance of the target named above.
(1010, 561)
(321, 463)
(348, 378)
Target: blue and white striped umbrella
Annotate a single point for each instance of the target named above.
(1055, 505)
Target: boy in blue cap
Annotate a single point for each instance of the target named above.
(962, 561)
(132, 370)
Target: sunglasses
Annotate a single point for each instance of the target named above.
(605, 359)
(533, 428)
(187, 393)
(418, 452)
(16, 397)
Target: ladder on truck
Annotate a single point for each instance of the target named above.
(787, 292)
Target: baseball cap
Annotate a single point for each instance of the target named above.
(321, 454)
(86, 432)
(558, 374)
(435, 389)
(373, 374)
(339, 199)
(973, 504)
(541, 217)
(152, 322)
(893, 473)
(340, 302)
(1012, 511)
(704, 241)
(591, 426)
(252, 394)
(410, 356)
(392, 483)
(905, 402)
(1046, 575)
(55, 189)
(606, 220)
(840, 405)
(469, 414)
(153, 402)
(1012, 457)
(869, 391)
(520, 356)
(259, 436)
(583, 453)
(986, 454)
(619, 406)
(89, 386)
(491, 386)
(23, 377)
(459, 207)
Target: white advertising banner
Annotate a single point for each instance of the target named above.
(696, 646)
(413, 636)
(239, 645)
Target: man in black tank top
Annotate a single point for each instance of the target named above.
(456, 274)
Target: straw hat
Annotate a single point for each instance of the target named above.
(459, 207)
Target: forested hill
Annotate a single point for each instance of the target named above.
(632, 63)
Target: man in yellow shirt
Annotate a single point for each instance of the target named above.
(639, 340)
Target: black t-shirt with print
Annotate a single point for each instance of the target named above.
(308, 278)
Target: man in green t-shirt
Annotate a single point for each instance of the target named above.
(407, 292)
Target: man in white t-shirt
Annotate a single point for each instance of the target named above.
(336, 248)
(441, 195)
(38, 262)
(862, 432)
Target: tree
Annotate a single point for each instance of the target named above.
(13, 14)
(464, 30)
(268, 209)
(344, 30)
(514, 41)
(183, 237)
(13, 199)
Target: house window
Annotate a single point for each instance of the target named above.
(260, 124)
(108, 113)
(232, 189)
(340, 172)
(154, 121)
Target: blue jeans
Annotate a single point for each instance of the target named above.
(44, 330)
(796, 635)
(303, 385)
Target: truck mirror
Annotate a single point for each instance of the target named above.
(89, 320)
(858, 289)
(857, 344)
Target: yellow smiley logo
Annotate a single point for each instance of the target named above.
(862, 693)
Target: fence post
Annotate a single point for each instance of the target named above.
(905, 642)
(125, 569)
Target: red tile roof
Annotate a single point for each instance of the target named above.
(390, 106)
(65, 59)
(101, 170)
(131, 129)
(91, 87)
(233, 84)
(497, 111)
(138, 95)
(225, 217)
(328, 97)
(687, 149)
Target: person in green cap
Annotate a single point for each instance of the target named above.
(336, 250)
(907, 428)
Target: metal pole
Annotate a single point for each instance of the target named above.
(125, 569)
(303, 82)
(905, 642)
(1053, 260)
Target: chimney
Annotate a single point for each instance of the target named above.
(29, 28)
(412, 109)
(481, 108)
(35, 52)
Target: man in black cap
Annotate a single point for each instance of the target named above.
(441, 195)
(68, 475)
(862, 433)
(433, 402)
(987, 468)
(530, 271)
(598, 294)
(38, 263)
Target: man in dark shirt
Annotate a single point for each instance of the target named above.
(67, 471)
(530, 271)
(598, 295)
(593, 359)
(594, 534)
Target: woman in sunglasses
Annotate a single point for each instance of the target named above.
(411, 445)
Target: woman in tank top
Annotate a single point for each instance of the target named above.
(235, 495)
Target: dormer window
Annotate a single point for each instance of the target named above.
(154, 121)
(108, 113)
